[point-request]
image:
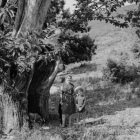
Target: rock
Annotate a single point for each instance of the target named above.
(34, 116)
(54, 89)
(45, 127)
(57, 137)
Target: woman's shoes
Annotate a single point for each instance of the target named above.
(62, 126)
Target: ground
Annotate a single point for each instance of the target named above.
(117, 120)
(108, 119)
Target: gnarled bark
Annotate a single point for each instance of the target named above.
(14, 104)
(32, 89)
(39, 90)
(3, 3)
(1, 105)
(30, 15)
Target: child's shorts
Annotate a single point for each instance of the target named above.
(82, 111)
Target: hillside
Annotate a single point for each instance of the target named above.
(112, 40)
(109, 115)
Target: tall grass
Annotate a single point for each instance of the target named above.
(82, 67)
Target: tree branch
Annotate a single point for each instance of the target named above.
(53, 75)
(19, 16)
(3, 3)
(31, 15)
(42, 13)
(30, 78)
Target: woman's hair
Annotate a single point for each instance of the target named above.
(80, 89)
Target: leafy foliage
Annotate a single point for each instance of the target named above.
(22, 52)
(120, 72)
(6, 18)
(76, 48)
(55, 9)
(59, 35)
(136, 50)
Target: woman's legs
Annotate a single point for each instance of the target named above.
(63, 120)
(60, 113)
(70, 118)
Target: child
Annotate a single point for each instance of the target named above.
(80, 101)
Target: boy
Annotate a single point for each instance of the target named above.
(80, 101)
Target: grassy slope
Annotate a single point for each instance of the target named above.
(111, 42)
(104, 120)
(111, 39)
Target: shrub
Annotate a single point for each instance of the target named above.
(120, 72)
(136, 86)
(136, 50)
(87, 81)
(83, 67)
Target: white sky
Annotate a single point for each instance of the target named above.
(69, 4)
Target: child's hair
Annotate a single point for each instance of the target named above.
(80, 89)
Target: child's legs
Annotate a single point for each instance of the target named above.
(78, 118)
(84, 118)
(63, 119)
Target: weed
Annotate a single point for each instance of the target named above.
(82, 67)
(120, 72)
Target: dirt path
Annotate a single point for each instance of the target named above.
(118, 121)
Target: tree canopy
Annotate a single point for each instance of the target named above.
(59, 33)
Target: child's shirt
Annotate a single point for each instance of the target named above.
(80, 100)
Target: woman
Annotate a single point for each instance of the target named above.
(67, 100)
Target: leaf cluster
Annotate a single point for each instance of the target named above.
(76, 48)
(120, 72)
(59, 35)
(24, 51)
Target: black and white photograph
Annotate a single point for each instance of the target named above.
(69, 69)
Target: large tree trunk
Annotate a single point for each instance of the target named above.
(30, 15)
(39, 90)
(17, 104)
(14, 104)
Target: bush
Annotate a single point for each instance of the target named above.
(84, 67)
(120, 72)
(136, 50)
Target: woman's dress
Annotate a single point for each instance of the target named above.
(68, 102)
